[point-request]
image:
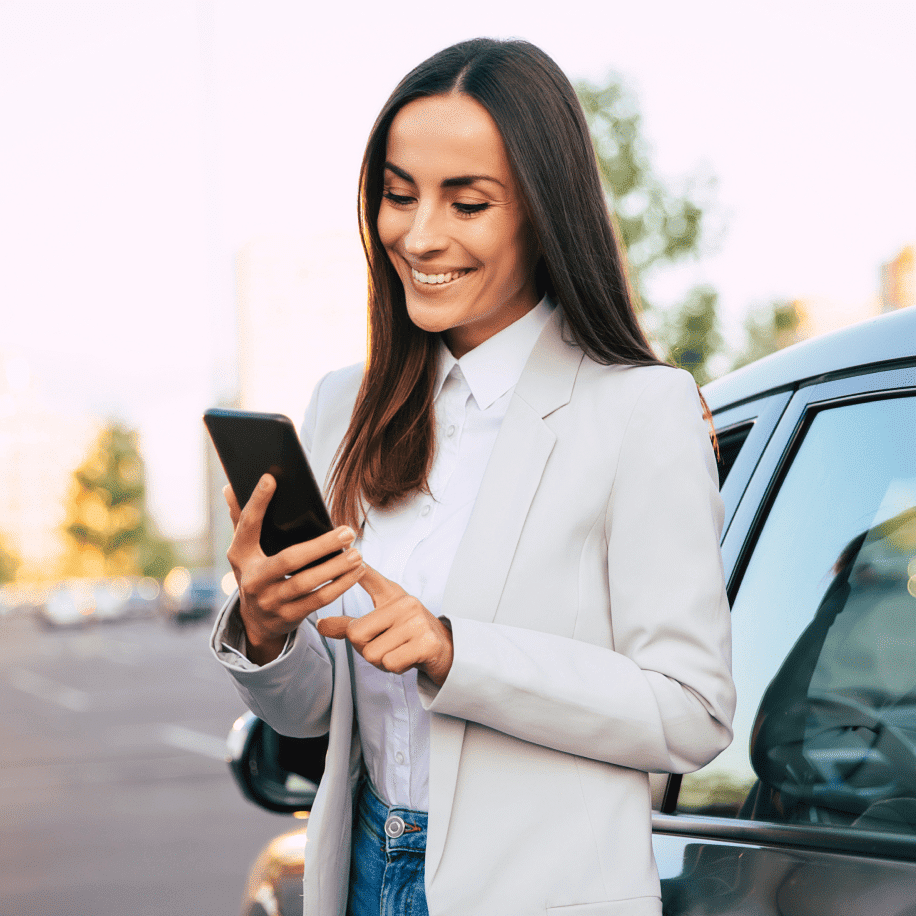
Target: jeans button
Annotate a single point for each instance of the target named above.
(394, 826)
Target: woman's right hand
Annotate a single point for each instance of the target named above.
(273, 601)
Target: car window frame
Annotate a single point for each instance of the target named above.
(774, 462)
(763, 414)
(743, 526)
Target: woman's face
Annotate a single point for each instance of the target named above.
(453, 222)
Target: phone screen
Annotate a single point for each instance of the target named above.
(250, 445)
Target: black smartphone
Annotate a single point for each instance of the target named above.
(250, 445)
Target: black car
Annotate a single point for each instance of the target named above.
(812, 809)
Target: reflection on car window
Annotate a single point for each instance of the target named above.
(825, 637)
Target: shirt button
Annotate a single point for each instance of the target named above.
(399, 757)
(450, 431)
(425, 510)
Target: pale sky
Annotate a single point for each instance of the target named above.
(146, 143)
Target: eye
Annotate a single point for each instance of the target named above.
(399, 200)
(469, 209)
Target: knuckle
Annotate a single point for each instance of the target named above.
(428, 642)
(411, 605)
(311, 603)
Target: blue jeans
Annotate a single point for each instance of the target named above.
(387, 860)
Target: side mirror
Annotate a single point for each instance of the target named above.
(274, 771)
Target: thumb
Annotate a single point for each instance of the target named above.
(379, 589)
(251, 517)
(333, 627)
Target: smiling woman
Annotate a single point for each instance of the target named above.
(453, 222)
(530, 502)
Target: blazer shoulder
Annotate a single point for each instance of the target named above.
(636, 384)
(339, 387)
(328, 414)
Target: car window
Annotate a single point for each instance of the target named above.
(730, 442)
(824, 629)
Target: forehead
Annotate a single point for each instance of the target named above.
(446, 136)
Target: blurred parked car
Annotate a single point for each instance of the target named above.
(76, 602)
(191, 596)
(72, 603)
(130, 598)
(812, 809)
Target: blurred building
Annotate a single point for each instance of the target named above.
(818, 315)
(39, 449)
(301, 313)
(898, 281)
(821, 315)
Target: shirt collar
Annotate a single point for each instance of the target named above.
(495, 366)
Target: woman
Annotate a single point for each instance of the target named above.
(541, 618)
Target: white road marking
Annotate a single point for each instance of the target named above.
(44, 688)
(196, 742)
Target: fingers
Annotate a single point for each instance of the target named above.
(398, 635)
(287, 561)
(381, 590)
(308, 581)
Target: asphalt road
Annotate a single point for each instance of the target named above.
(114, 794)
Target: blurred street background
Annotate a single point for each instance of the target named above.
(114, 794)
(178, 231)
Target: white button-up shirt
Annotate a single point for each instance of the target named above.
(414, 544)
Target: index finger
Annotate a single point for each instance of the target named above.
(379, 589)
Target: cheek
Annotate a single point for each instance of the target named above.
(387, 227)
(509, 249)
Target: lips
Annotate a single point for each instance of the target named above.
(438, 279)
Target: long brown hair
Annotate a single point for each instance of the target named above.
(388, 449)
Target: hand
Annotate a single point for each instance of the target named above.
(273, 601)
(398, 635)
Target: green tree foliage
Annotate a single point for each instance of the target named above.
(659, 227)
(693, 331)
(656, 225)
(108, 528)
(769, 329)
(9, 562)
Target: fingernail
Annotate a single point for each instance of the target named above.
(353, 554)
(263, 483)
(346, 535)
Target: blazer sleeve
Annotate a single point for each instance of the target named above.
(662, 699)
(293, 692)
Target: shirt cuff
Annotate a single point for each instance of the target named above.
(230, 644)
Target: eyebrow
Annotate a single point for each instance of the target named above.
(459, 181)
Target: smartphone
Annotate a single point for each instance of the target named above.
(250, 445)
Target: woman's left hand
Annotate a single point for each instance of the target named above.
(398, 635)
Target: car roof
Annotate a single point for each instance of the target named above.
(887, 338)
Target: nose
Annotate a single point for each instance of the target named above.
(427, 231)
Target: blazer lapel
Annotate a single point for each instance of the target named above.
(512, 477)
(485, 554)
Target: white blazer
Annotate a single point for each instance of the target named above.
(592, 646)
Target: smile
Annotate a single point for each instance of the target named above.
(438, 279)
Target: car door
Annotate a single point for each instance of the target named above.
(812, 810)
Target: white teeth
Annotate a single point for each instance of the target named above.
(435, 279)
